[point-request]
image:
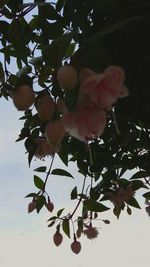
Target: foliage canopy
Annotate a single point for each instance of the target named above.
(39, 38)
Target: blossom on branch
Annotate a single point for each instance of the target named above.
(103, 89)
(97, 94)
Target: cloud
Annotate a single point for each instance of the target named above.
(123, 243)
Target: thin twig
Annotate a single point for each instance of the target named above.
(115, 121)
(49, 172)
(79, 199)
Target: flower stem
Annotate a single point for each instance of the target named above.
(78, 204)
(48, 173)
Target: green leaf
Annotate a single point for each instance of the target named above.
(138, 184)
(51, 224)
(25, 70)
(70, 50)
(61, 172)
(26, 31)
(38, 182)
(40, 202)
(60, 212)
(66, 227)
(133, 202)
(92, 205)
(139, 175)
(6, 12)
(147, 195)
(63, 153)
(49, 12)
(31, 146)
(17, 38)
(60, 4)
(31, 195)
(15, 6)
(52, 218)
(40, 169)
(4, 26)
(2, 76)
(83, 196)
(3, 3)
(30, 157)
(54, 53)
(74, 193)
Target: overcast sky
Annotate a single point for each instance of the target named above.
(25, 239)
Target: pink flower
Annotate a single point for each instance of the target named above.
(43, 148)
(103, 89)
(97, 94)
(86, 122)
(90, 231)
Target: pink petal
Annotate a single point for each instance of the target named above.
(85, 73)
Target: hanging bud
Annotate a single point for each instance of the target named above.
(129, 211)
(54, 132)
(45, 107)
(23, 95)
(106, 221)
(31, 206)
(57, 238)
(67, 77)
(76, 246)
(49, 205)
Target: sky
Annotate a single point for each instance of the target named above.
(25, 239)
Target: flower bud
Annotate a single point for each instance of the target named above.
(31, 206)
(67, 77)
(23, 97)
(45, 107)
(106, 221)
(50, 206)
(57, 238)
(129, 211)
(54, 132)
(76, 246)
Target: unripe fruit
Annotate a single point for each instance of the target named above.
(57, 238)
(23, 97)
(54, 132)
(67, 77)
(50, 206)
(76, 247)
(31, 206)
(45, 107)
